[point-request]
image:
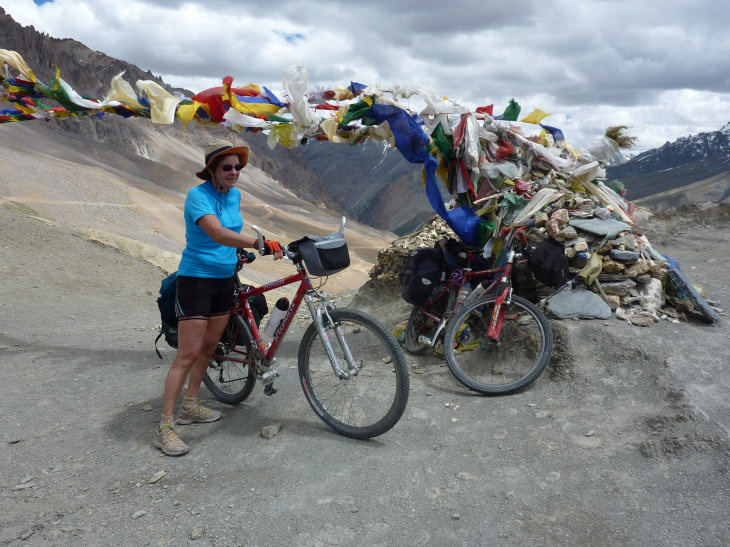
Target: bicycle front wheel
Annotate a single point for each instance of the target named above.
(506, 365)
(229, 378)
(371, 401)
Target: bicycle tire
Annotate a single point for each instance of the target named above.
(230, 381)
(523, 352)
(419, 324)
(367, 404)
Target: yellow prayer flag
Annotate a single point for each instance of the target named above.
(162, 103)
(255, 109)
(122, 91)
(186, 112)
(14, 59)
(536, 116)
(283, 135)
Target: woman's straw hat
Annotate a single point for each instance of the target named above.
(218, 148)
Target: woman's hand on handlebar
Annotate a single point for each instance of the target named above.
(244, 257)
(271, 247)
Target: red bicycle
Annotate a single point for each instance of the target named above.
(495, 342)
(351, 368)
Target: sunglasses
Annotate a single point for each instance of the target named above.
(229, 166)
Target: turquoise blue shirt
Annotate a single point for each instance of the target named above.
(203, 257)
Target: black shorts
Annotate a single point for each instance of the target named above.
(203, 297)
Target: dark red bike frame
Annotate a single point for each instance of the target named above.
(500, 284)
(243, 307)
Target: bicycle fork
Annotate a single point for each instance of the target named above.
(320, 314)
(504, 297)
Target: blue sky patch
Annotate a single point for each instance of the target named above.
(292, 38)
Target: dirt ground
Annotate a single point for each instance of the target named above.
(623, 441)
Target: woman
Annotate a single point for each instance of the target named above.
(205, 285)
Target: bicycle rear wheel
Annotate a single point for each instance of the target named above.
(513, 362)
(227, 378)
(420, 324)
(366, 404)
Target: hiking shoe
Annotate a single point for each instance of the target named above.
(168, 441)
(198, 414)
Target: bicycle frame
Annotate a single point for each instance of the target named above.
(244, 308)
(500, 283)
(359, 399)
(305, 292)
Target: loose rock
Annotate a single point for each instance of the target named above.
(270, 431)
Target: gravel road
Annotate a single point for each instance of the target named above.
(623, 441)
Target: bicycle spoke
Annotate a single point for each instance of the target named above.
(228, 376)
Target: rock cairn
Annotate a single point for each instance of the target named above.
(390, 260)
(631, 280)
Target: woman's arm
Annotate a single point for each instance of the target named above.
(223, 236)
(212, 226)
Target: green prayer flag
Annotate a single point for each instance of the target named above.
(512, 201)
(356, 111)
(512, 112)
(444, 142)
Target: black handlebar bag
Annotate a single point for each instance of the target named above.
(324, 255)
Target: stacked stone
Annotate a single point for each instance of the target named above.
(391, 259)
(630, 277)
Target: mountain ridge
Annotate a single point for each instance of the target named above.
(694, 168)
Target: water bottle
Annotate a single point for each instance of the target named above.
(463, 293)
(276, 317)
(478, 291)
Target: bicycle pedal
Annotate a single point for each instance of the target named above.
(269, 389)
(269, 376)
(426, 341)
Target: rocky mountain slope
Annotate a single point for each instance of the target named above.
(89, 73)
(369, 184)
(123, 181)
(133, 202)
(373, 183)
(86, 70)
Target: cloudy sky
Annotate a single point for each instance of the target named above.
(660, 67)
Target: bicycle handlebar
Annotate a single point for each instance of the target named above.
(262, 246)
(288, 254)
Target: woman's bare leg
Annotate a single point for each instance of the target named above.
(191, 339)
(197, 372)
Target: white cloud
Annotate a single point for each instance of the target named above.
(660, 67)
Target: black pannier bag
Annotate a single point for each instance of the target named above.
(168, 318)
(259, 306)
(324, 255)
(549, 264)
(423, 272)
